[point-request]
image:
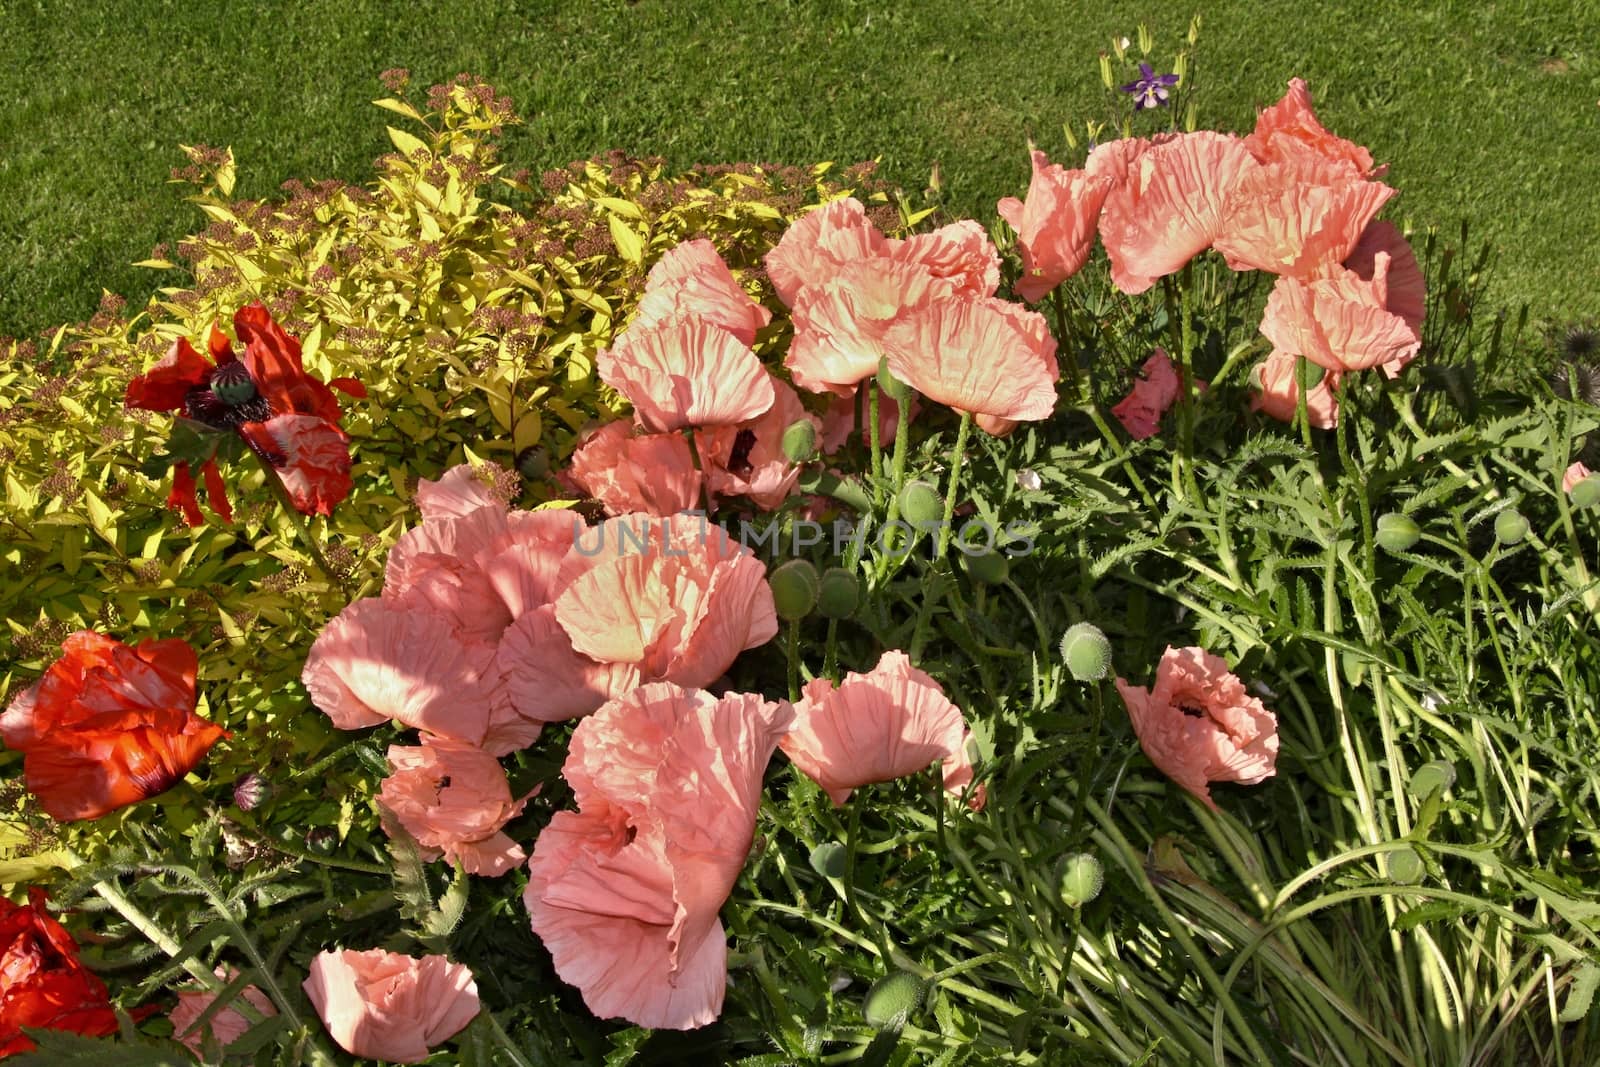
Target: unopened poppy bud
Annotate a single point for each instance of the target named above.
(1432, 777)
(1086, 652)
(1510, 527)
(794, 589)
(800, 441)
(1396, 532)
(533, 462)
(838, 594)
(920, 503)
(891, 998)
(1081, 879)
(892, 387)
(249, 791)
(990, 568)
(1406, 867)
(1586, 494)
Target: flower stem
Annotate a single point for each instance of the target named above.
(877, 447)
(1069, 341)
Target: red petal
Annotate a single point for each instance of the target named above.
(182, 495)
(350, 387)
(221, 347)
(216, 491)
(163, 386)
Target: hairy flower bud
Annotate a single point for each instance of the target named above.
(893, 997)
(990, 568)
(1086, 651)
(838, 594)
(1510, 527)
(1396, 532)
(920, 503)
(1081, 879)
(794, 589)
(800, 441)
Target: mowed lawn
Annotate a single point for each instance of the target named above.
(1488, 110)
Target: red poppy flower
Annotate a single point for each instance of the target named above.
(238, 395)
(108, 725)
(42, 983)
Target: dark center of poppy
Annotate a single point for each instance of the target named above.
(743, 443)
(227, 399)
(1191, 710)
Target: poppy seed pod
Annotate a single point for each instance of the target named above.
(1086, 651)
(838, 594)
(1510, 527)
(920, 503)
(799, 441)
(1396, 532)
(794, 589)
(1406, 867)
(1432, 777)
(1081, 879)
(895, 996)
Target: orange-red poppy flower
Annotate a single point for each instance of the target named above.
(248, 395)
(1339, 321)
(1288, 131)
(820, 242)
(108, 725)
(692, 280)
(686, 372)
(42, 983)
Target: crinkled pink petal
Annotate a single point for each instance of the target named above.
(1154, 391)
(1281, 219)
(651, 473)
(819, 242)
(1407, 292)
(890, 722)
(684, 373)
(376, 661)
(1573, 475)
(960, 253)
(1339, 322)
(842, 417)
(453, 798)
(385, 1006)
(840, 320)
(310, 454)
(1055, 226)
(1276, 394)
(546, 680)
(625, 893)
(986, 356)
(1289, 131)
(691, 280)
(523, 567)
(1170, 206)
(1198, 724)
(458, 491)
(227, 1025)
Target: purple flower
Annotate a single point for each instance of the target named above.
(1150, 90)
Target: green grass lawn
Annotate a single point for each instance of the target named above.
(1484, 110)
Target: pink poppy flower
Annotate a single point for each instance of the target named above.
(625, 892)
(1297, 221)
(960, 253)
(1171, 205)
(1274, 391)
(1055, 226)
(844, 414)
(310, 454)
(692, 281)
(675, 597)
(1573, 475)
(876, 727)
(987, 356)
(685, 373)
(386, 1006)
(747, 460)
(1198, 725)
(1288, 132)
(1339, 321)
(1154, 391)
(625, 471)
(840, 320)
(819, 242)
(1407, 292)
(226, 1026)
(453, 798)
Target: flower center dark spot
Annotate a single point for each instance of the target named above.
(743, 443)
